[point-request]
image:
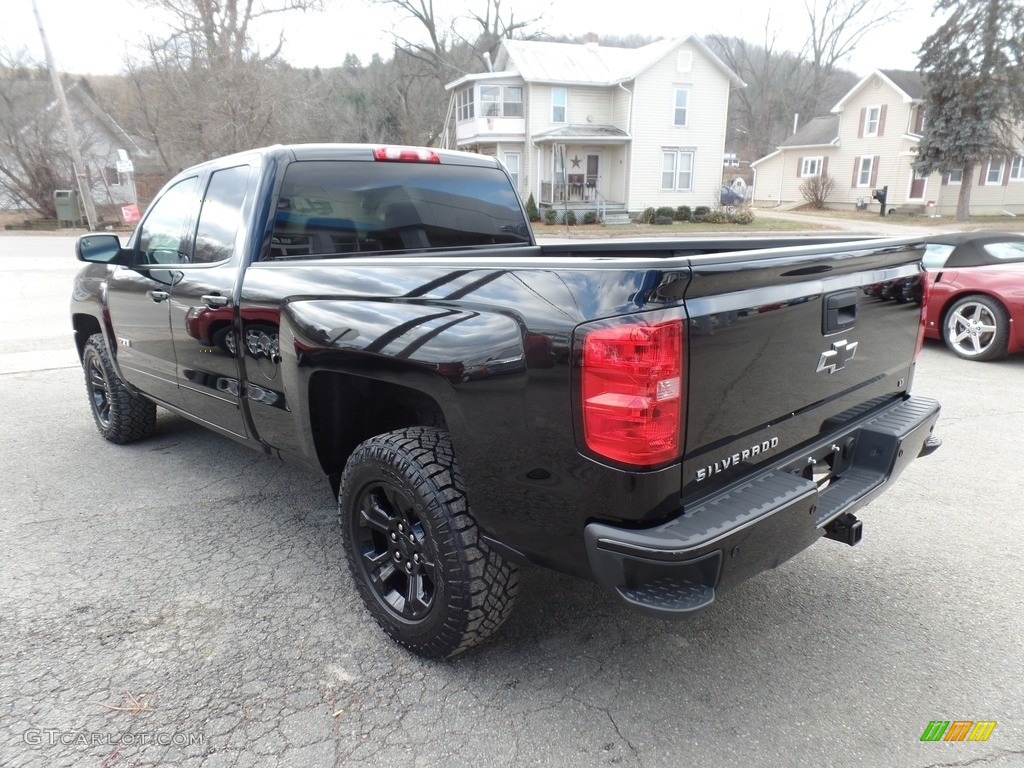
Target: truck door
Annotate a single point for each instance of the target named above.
(138, 296)
(202, 306)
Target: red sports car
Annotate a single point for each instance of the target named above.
(975, 290)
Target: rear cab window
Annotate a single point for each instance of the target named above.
(334, 208)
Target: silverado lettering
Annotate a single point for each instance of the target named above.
(628, 411)
(747, 453)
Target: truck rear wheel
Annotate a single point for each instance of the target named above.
(121, 416)
(419, 562)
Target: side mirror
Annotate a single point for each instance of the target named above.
(98, 248)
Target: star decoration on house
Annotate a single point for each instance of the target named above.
(576, 160)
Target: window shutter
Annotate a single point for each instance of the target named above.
(824, 166)
(799, 167)
(881, 119)
(860, 126)
(1006, 172)
(856, 171)
(945, 179)
(874, 170)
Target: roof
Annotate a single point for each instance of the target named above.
(587, 131)
(34, 96)
(820, 131)
(910, 82)
(907, 83)
(593, 64)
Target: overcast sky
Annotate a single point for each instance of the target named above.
(94, 36)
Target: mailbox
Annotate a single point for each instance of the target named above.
(881, 195)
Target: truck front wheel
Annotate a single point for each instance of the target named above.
(420, 565)
(121, 416)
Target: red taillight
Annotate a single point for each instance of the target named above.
(633, 392)
(926, 293)
(406, 155)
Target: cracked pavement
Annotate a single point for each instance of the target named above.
(184, 601)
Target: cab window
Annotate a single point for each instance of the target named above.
(162, 239)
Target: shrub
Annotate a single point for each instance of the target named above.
(742, 215)
(531, 209)
(663, 219)
(570, 218)
(550, 216)
(817, 189)
(590, 217)
(683, 213)
(700, 212)
(664, 211)
(717, 216)
(647, 217)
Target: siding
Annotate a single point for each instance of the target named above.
(653, 130)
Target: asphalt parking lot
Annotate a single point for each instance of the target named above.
(184, 601)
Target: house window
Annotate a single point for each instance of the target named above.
(112, 177)
(919, 120)
(1017, 169)
(501, 101)
(956, 175)
(994, 174)
(512, 160)
(864, 167)
(490, 101)
(511, 101)
(872, 116)
(677, 170)
(811, 166)
(464, 104)
(559, 99)
(681, 106)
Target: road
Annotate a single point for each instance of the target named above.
(184, 601)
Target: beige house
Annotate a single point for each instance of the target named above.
(870, 142)
(597, 128)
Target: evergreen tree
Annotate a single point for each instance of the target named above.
(973, 70)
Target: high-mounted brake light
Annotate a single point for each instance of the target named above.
(633, 392)
(406, 155)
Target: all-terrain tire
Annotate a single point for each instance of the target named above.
(419, 562)
(121, 416)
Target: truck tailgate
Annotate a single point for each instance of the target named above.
(786, 347)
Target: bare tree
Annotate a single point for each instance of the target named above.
(450, 48)
(34, 160)
(194, 91)
(836, 28)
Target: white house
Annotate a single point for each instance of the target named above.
(869, 142)
(599, 128)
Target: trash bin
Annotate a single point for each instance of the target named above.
(929, 209)
(69, 211)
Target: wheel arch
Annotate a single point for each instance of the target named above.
(84, 325)
(345, 409)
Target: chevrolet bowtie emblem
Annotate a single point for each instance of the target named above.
(835, 359)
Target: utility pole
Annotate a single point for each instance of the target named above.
(69, 127)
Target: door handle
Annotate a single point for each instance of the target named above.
(215, 300)
(158, 295)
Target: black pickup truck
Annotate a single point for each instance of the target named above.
(665, 417)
